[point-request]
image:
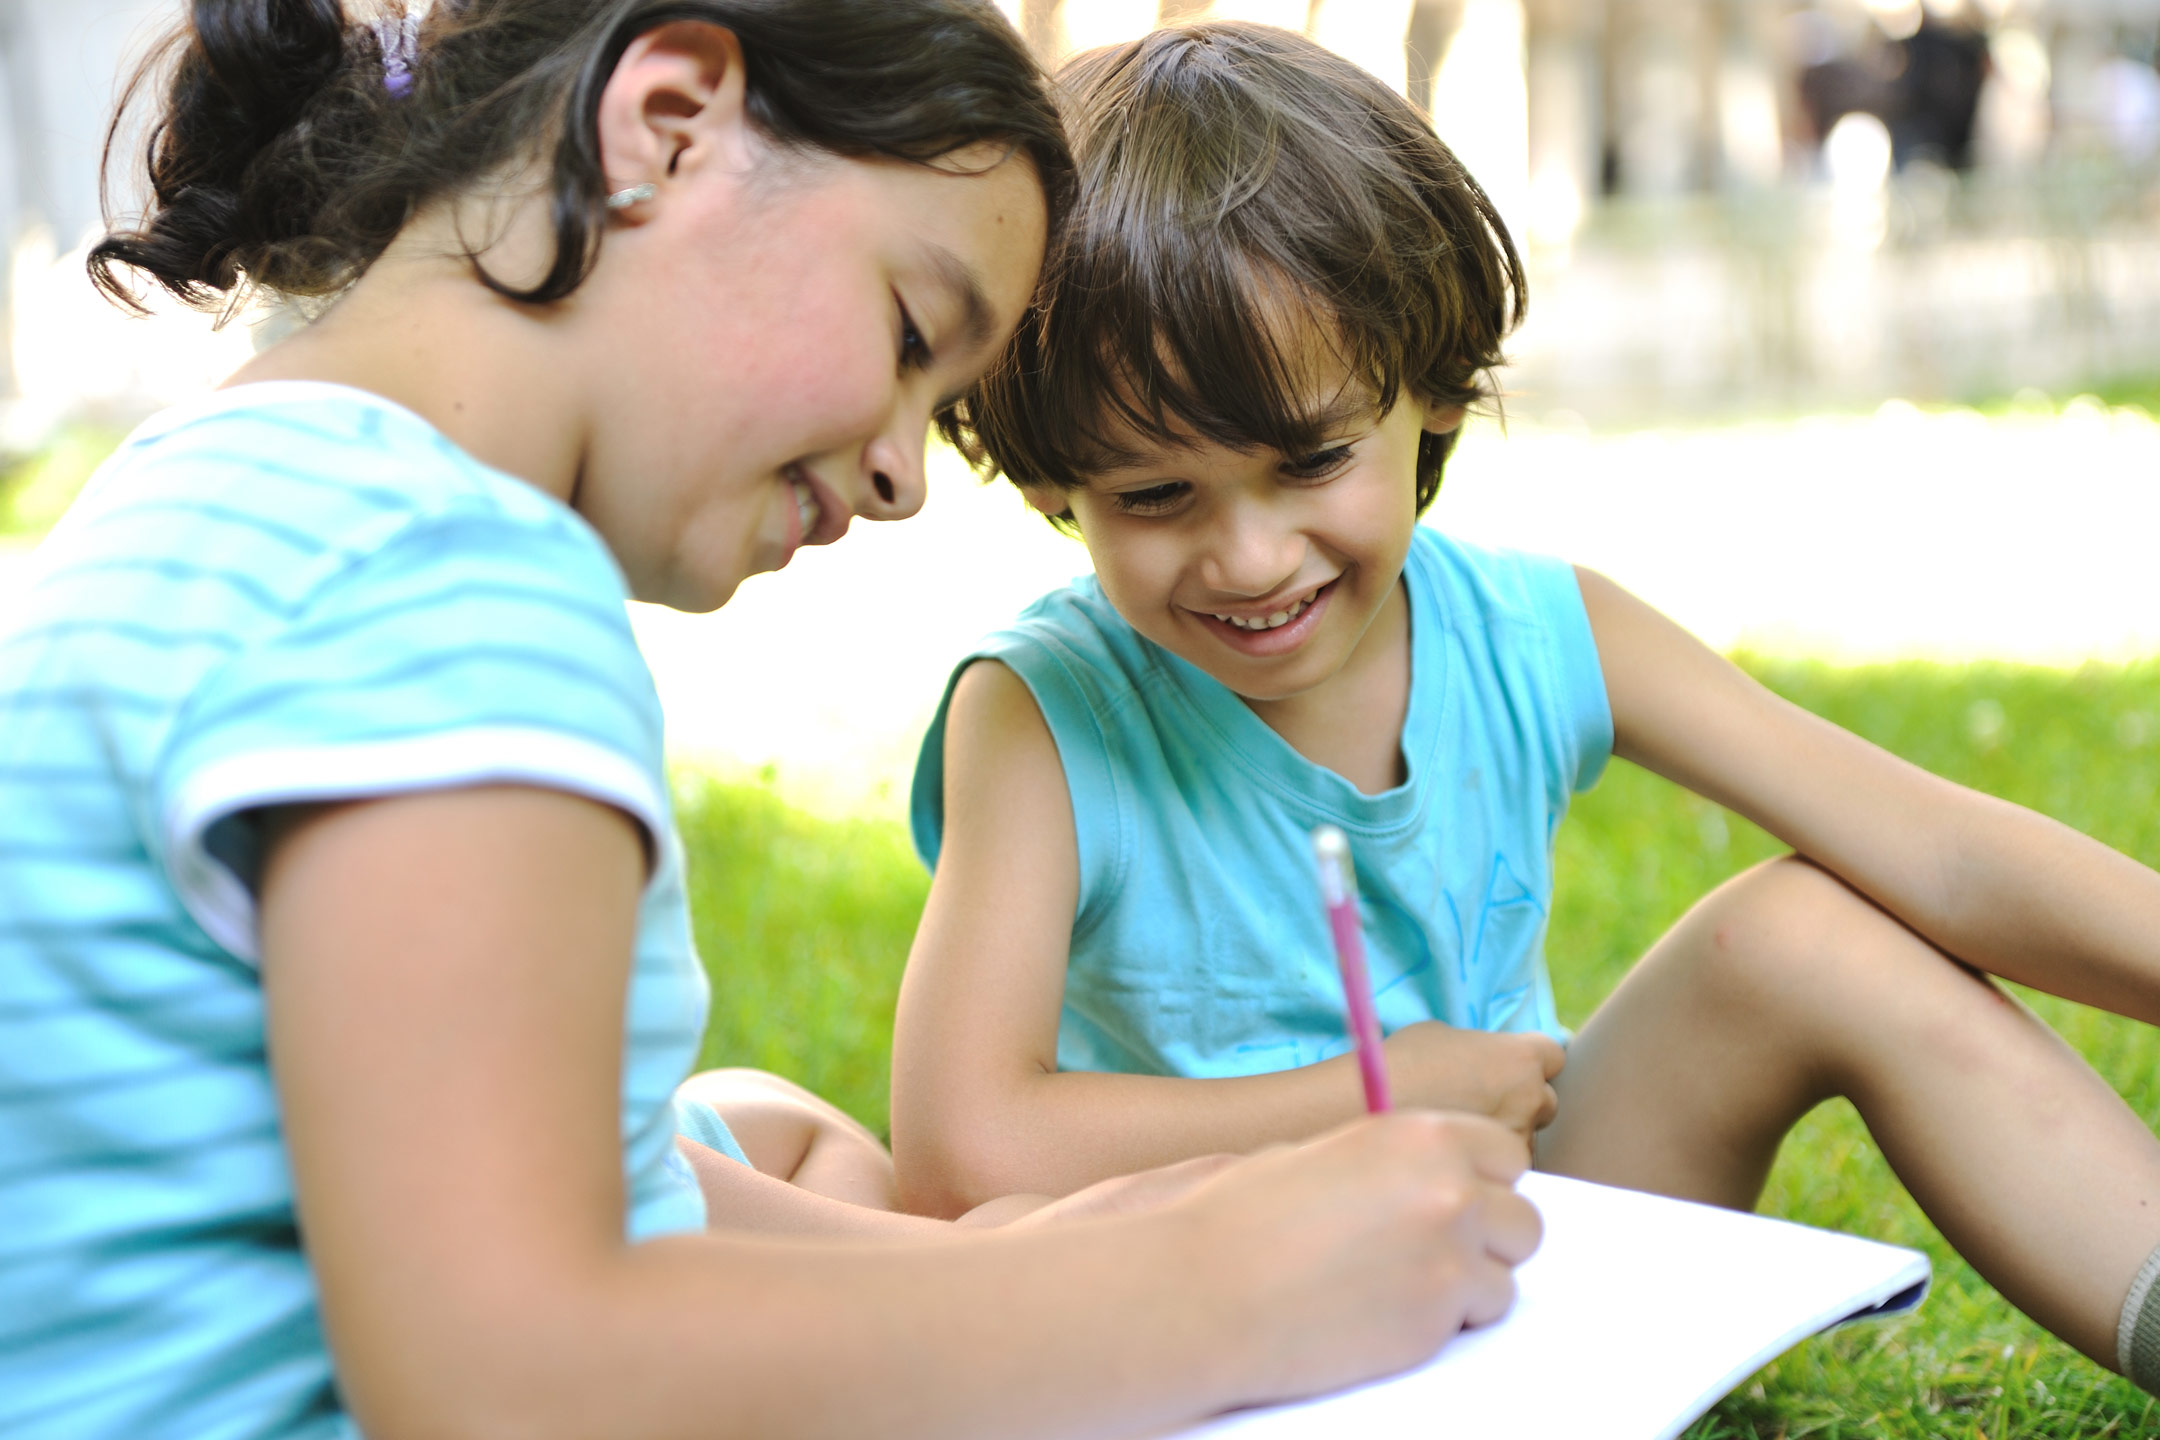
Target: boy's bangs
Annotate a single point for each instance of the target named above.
(1267, 241)
(1213, 351)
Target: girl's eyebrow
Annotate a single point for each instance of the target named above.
(964, 284)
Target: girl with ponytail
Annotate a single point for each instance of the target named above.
(345, 975)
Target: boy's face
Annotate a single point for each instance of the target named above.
(1264, 570)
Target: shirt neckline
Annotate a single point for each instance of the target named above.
(1252, 743)
(261, 394)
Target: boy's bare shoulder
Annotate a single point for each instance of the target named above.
(991, 705)
(1003, 774)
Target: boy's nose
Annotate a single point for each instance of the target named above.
(1252, 557)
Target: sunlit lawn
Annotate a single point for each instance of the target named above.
(805, 925)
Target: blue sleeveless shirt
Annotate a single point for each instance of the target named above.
(1198, 945)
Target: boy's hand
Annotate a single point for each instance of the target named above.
(1361, 1253)
(1505, 1075)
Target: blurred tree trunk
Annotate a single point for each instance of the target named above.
(1042, 24)
(1432, 25)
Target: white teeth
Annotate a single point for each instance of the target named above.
(1267, 622)
(806, 506)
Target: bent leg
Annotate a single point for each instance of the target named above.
(793, 1135)
(1784, 987)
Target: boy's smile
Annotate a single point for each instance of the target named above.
(1273, 628)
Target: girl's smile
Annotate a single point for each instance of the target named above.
(817, 517)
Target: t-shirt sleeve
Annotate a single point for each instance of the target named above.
(1579, 730)
(470, 648)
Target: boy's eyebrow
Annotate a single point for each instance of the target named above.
(1348, 408)
(1345, 410)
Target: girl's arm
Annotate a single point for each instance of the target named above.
(979, 1105)
(1992, 883)
(446, 978)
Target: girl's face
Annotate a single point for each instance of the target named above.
(785, 340)
(1264, 570)
(765, 338)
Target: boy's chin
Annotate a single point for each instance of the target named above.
(1263, 681)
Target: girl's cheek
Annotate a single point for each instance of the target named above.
(852, 388)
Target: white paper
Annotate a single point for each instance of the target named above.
(1636, 1315)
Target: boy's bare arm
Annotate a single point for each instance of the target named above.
(979, 1106)
(446, 978)
(1992, 883)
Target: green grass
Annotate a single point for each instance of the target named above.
(2140, 392)
(35, 490)
(805, 925)
(2083, 747)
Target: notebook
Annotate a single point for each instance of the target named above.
(1636, 1315)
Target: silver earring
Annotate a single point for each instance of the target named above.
(635, 195)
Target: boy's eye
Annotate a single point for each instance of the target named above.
(1320, 463)
(914, 350)
(1154, 500)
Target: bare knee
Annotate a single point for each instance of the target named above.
(1790, 948)
(1775, 928)
(739, 1084)
(777, 1122)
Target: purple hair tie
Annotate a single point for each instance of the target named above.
(400, 43)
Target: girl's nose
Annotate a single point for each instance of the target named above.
(893, 468)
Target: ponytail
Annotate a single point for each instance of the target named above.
(293, 145)
(243, 159)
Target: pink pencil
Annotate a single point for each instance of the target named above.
(1338, 890)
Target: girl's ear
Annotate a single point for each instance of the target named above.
(1440, 419)
(675, 104)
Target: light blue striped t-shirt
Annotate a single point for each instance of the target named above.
(287, 592)
(1199, 947)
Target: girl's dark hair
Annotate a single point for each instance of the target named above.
(1236, 182)
(296, 141)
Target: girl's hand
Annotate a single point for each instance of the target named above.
(1363, 1252)
(1505, 1075)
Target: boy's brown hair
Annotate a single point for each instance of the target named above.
(1235, 179)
